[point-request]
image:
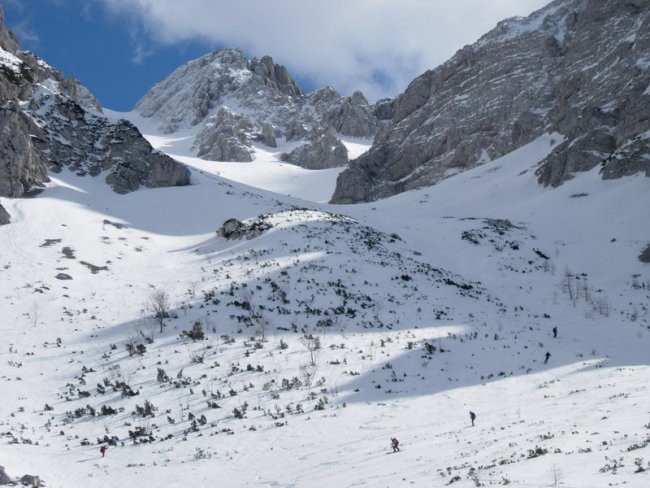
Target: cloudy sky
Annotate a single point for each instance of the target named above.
(119, 48)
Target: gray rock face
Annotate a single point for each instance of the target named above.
(275, 76)
(384, 109)
(225, 137)
(90, 144)
(260, 89)
(268, 136)
(325, 151)
(134, 162)
(350, 116)
(30, 480)
(43, 130)
(576, 67)
(21, 164)
(7, 39)
(5, 218)
(234, 102)
(5, 479)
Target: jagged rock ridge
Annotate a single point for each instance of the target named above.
(579, 68)
(234, 102)
(50, 122)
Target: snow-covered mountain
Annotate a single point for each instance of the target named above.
(229, 102)
(240, 331)
(50, 122)
(577, 67)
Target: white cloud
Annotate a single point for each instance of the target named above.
(25, 33)
(140, 53)
(377, 46)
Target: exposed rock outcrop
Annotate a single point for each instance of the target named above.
(268, 136)
(225, 137)
(8, 41)
(350, 116)
(25, 480)
(233, 229)
(325, 151)
(31, 480)
(275, 76)
(644, 257)
(5, 218)
(21, 164)
(576, 67)
(5, 479)
(62, 125)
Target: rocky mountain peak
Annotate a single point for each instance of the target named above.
(199, 88)
(49, 122)
(579, 68)
(233, 102)
(276, 76)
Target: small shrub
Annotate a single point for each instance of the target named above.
(538, 451)
(196, 333)
(106, 410)
(145, 411)
(162, 377)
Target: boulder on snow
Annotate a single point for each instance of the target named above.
(5, 479)
(644, 257)
(229, 227)
(5, 218)
(30, 480)
(235, 229)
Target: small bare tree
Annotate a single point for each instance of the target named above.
(312, 344)
(568, 285)
(159, 303)
(557, 474)
(600, 303)
(308, 371)
(255, 315)
(263, 327)
(35, 313)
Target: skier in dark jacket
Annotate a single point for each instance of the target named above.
(103, 450)
(472, 417)
(547, 356)
(394, 443)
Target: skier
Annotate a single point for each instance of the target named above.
(546, 357)
(472, 417)
(394, 443)
(554, 332)
(103, 450)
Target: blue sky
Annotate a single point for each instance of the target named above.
(120, 48)
(86, 41)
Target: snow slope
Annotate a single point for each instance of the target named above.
(333, 330)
